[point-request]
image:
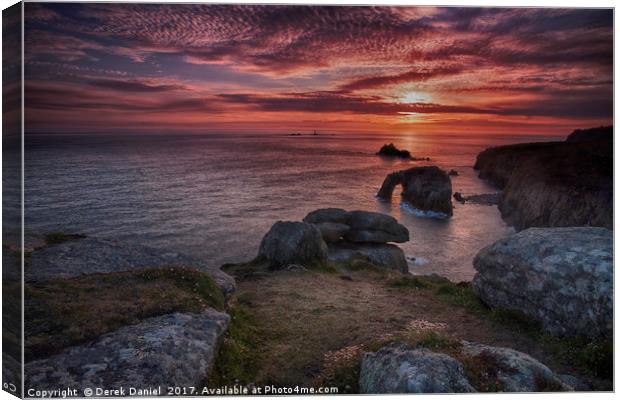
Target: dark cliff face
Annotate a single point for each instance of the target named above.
(554, 184)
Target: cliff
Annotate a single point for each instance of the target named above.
(555, 183)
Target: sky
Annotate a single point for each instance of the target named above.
(252, 68)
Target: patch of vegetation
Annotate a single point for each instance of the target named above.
(594, 356)
(324, 267)
(461, 294)
(342, 370)
(259, 267)
(61, 237)
(65, 312)
(408, 282)
(434, 340)
(239, 356)
(481, 371)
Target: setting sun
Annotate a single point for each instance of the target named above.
(415, 97)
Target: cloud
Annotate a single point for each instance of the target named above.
(133, 86)
(502, 62)
(408, 77)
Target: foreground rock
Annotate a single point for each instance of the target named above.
(562, 277)
(175, 350)
(289, 242)
(554, 184)
(516, 371)
(93, 255)
(425, 188)
(387, 256)
(398, 368)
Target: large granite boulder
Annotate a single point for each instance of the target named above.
(171, 350)
(562, 277)
(92, 255)
(373, 227)
(425, 188)
(333, 215)
(289, 242)
(515, 371)
(383, 255)
(398, 368)
(333, 232)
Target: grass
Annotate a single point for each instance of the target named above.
(65, 312)
(239, 358)
(408, 282)
(592, 356)
(261, 268)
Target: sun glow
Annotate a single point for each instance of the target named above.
(415, 97)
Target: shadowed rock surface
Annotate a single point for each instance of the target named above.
(333, 215)
(365, 234)
(485, 199)
(93, 255)
(398, 368)
(554, 184)
(387, 256)
(175, 349)
(289, 242)
(425, 188)
(562, 277)
(333, 232)
(516, 371)
(363, 226)
(375, 227)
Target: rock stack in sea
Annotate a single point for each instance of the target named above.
(337, 235)
(425, 188)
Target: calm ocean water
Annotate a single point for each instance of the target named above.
(215, 196)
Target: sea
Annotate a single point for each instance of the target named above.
(214, 196)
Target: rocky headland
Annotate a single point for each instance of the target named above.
(554, 184)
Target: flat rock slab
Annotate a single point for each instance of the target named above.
(562, 277)
(94, 255)
(175, 349)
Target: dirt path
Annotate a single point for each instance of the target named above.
(306, 315)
